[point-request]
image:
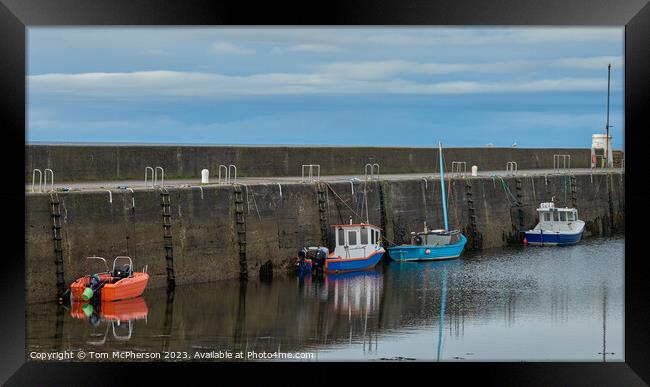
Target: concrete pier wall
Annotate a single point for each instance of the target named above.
(124, 162)
(205, 241)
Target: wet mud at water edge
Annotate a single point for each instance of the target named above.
(512, 304)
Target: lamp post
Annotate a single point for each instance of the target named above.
(607, 126)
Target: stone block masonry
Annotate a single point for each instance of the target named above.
(78, 163)
(281, 219)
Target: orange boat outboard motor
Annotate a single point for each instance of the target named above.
(124, 272)
(93, 286)
(94, 282)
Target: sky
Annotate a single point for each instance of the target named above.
(398, 86)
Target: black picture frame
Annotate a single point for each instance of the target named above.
(17, 15)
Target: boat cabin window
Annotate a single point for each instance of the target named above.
(569, 216)
(341, 237)
(562, 216)
(376, 236)
(555, 216)
(364, 236)
(352, 238)
(547, 216)
(372, 237)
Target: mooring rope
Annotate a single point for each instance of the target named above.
(506, 189)
(343, 201)
(383, 236)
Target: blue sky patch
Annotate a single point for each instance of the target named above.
(536, 87)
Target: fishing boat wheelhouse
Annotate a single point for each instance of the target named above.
(557, 226)
(357, 247)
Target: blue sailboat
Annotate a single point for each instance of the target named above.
(431, 245)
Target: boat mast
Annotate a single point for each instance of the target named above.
(442, 184)
(609, 67)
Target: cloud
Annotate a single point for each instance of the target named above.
(561, 35)
(313, 48)
(391, 68)
(229, 48)
(148, 85)
(591, 63)
(383, 69)
(427, 36)
(155, 52)
(345, 38)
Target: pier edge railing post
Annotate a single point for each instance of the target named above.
(40, 179)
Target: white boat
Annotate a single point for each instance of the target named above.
(557, 226)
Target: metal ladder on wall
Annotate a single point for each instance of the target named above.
(322, 211)
(472, 215)
(240, 223)
(520, 202)
(167, 235)
(574, 192)
(57, 238)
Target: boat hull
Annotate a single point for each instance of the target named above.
(124, 310)
(427, 253)
(335, 264)
(537, 238)
(122, 289)
(125, 288)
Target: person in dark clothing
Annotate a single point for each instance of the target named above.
(321, 256)
(301, 265)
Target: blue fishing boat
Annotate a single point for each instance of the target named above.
(430, 245)
(358, 247)
(556, 226)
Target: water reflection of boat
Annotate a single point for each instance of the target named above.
(118, 315)
(429, 271)
(425, 266)
(332, 278)
(355, 293)
(443, 304)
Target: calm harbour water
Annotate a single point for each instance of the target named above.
(513, 304)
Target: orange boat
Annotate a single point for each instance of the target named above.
(120, 283)
(125, 310)
(118, 315)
